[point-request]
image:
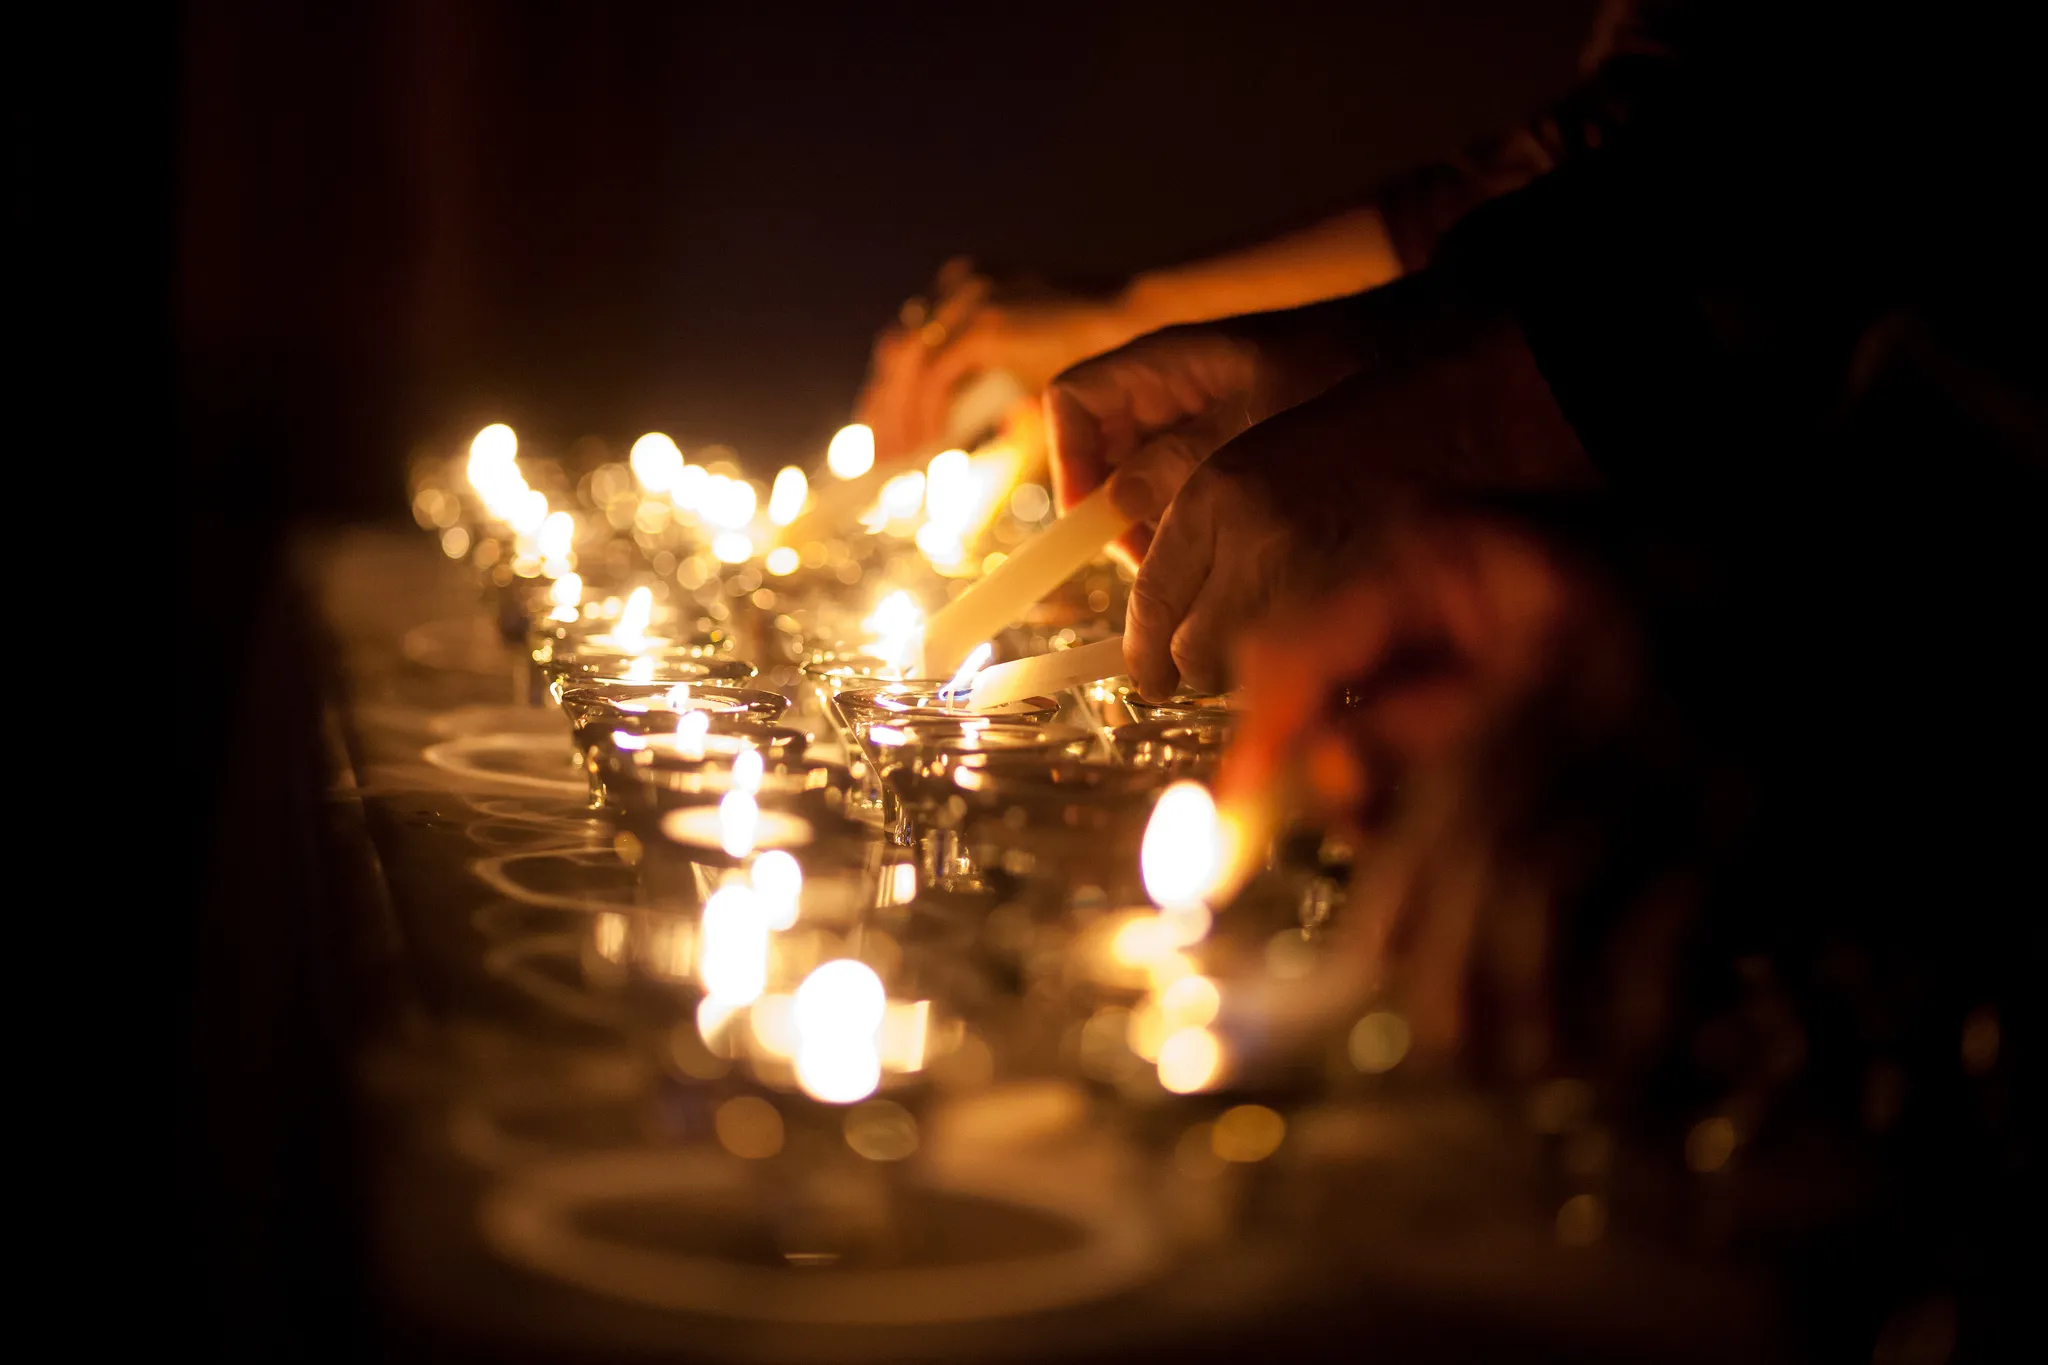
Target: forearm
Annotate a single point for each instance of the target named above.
(1340, 255)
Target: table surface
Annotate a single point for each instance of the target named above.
(545, 1183)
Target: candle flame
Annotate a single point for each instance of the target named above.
(557, 536)
(786, 498)
(640, 670)
(738, 818)
(728, 502)
(566, 591)
(631, 631)
(656, 462)
(1181, 852)
(963, 681)
(895, 628)
(732, 954)
(494, 471)
(852, 452)
(732, 547)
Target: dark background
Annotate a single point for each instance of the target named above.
(397, 221)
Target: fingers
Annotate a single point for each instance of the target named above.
(1172, 576)
(916, 365)
(1286, 670)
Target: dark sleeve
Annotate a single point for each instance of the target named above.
(1626, 65)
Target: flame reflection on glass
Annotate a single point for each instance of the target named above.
(838, 1013)
(732, 953)
(779, 883)
(1179, 855)
(738, 819)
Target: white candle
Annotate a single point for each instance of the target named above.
(1016, 585)
(1044, 674)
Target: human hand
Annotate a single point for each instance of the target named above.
(970, 326)
(1152, 411)
(1461, 709)
(1283, 508)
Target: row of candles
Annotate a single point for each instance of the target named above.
(795, 756)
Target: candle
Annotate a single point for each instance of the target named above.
(1016, 585)
(1043, 674)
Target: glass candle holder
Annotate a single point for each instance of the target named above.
(631, 759)
(563, 674)
(856, 710)
(916, 759)
(1190, 747)
(1077, 820)
(688, 816)
(1116, 702)
(598, 701)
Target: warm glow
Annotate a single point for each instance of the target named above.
(738, 819)
(782, 561)
(963, 681)
(940, 544)
(728, 502)
(894, 629)
(557, 535)
(902, 496)
(732, 953)
(690, 732)
(773, 1024)
(528, 511)
(852, 452)
(746, 771)
(494, 471)
(1189, 1060)
(631, 631)
(949, 489)
(496, 444)
(1191, 1002)
(566, 591)
(656, 462)
(838, 1011)
(690, 486)
(778, 882)
(841, 997)
(1179, 855)
(786, 498)
(905, 1034)
(733, 547)
(640, 670)
(838, 1071)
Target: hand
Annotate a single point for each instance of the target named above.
(1151, 412)
(972, 326)
(1287, 506)
(1463, 709)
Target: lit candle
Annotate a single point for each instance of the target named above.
(1045, 674)
(1016, 585)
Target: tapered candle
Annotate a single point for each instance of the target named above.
(1017, 584)
(1044, 674)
